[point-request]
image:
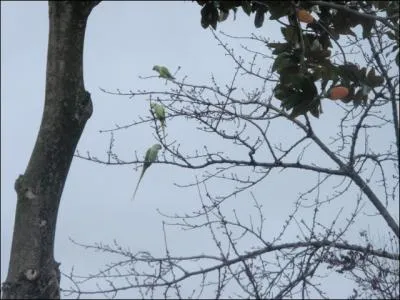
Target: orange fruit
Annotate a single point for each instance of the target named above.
(338, 92)
(304, 16)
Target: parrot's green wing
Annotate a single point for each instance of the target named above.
(159, 112)
(163, 72)
(150, 157)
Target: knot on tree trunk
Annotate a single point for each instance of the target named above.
(34, 284)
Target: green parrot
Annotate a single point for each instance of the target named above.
(151, 156)
(163, 72)
(159, 112)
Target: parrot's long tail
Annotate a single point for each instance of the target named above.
(134, 193)
(137, 186)
(163, 130)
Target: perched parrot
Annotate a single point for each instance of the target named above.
(163, 72)
(151, 156)
(159, 112)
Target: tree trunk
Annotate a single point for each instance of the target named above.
(33, 272)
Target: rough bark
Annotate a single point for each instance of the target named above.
(33, 272)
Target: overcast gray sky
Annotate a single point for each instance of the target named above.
(123, 41)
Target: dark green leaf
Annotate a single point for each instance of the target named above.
(291, 101)
(290, 34)
(259, 18)
(201, 2)
(223, 15)
(279, 92)
(279, 47)
(246, 6)
(315, 110)
(209, 15)
(283, 61)
(278, 9)
(372, 80)
(227, 5)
